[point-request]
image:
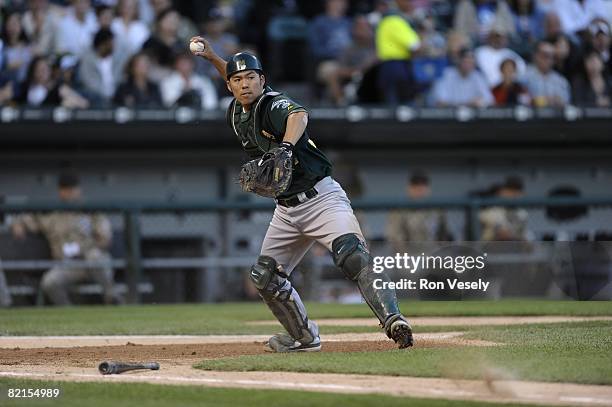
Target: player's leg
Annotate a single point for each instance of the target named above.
(56, 282)
(5, 295)
(329, 219)
(282, 249)
(102, 273)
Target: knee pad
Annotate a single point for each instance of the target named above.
(267, 275)
(351, 255)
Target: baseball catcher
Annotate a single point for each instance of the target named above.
(310, 206)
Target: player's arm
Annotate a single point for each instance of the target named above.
(210, 55)
(296, 124)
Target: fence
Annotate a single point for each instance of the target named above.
(131, 212)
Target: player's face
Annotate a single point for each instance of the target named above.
(418, 191)
(69, 194)
(246, 86)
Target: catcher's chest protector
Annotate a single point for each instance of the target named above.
(254, 139)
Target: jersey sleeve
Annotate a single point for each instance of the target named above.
(277, 110)
(401, 32)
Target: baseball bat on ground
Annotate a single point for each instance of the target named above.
(111, 367)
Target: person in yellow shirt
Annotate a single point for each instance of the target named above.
(396, 42)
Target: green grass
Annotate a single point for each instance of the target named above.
(230, 318)
(148, 395)
(563, 352)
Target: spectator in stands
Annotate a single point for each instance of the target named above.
(396, 41)
(528, 22)
(592, 86)
(16, 51)
(576, 15)
(186, 27)
(510, 92)
(216, 32)
(163, 46)
(352, 63)
(433, 43)
(476, 18)
(101, 68)
(462, 85)
(76, 29)
(72, 236)
(381, 8)
(552, 26)
(36, 89)
(547, 87)
(490, 56)
(566, 56)
(127, 28)
(416, 225)
(138, 90)
(184, 88)
(104, 15)
(40, 23)
(329, 35)
(225, 44)
(7, 91)
(599, 40)
(67, 92)
(456, 42)
(505, 224)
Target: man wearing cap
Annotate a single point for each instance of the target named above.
(72, 236)
(310, 207)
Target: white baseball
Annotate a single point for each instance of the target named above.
(196, 46)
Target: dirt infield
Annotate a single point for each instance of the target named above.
(75, 359)
(25, 342)
(81, 353)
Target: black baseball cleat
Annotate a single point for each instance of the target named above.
(400, 331)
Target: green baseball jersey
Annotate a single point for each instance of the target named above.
(262, 128)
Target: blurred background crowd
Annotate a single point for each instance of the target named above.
(102, 53)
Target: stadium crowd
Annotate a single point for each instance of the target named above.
(103, 53)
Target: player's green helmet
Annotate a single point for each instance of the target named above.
(242, 61)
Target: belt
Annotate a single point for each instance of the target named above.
(297, 199)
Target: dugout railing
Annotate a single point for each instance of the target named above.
(134, 263)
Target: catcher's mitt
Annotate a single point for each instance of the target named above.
(269, 175)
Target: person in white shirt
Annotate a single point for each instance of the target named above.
(40, 22)
(183, 87)
(76, 29)
(576, 15)
(101, 67)
(490, 56)
(127, 28)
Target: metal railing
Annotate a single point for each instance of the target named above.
(131, 211)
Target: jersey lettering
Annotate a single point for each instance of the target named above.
(281, 103)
